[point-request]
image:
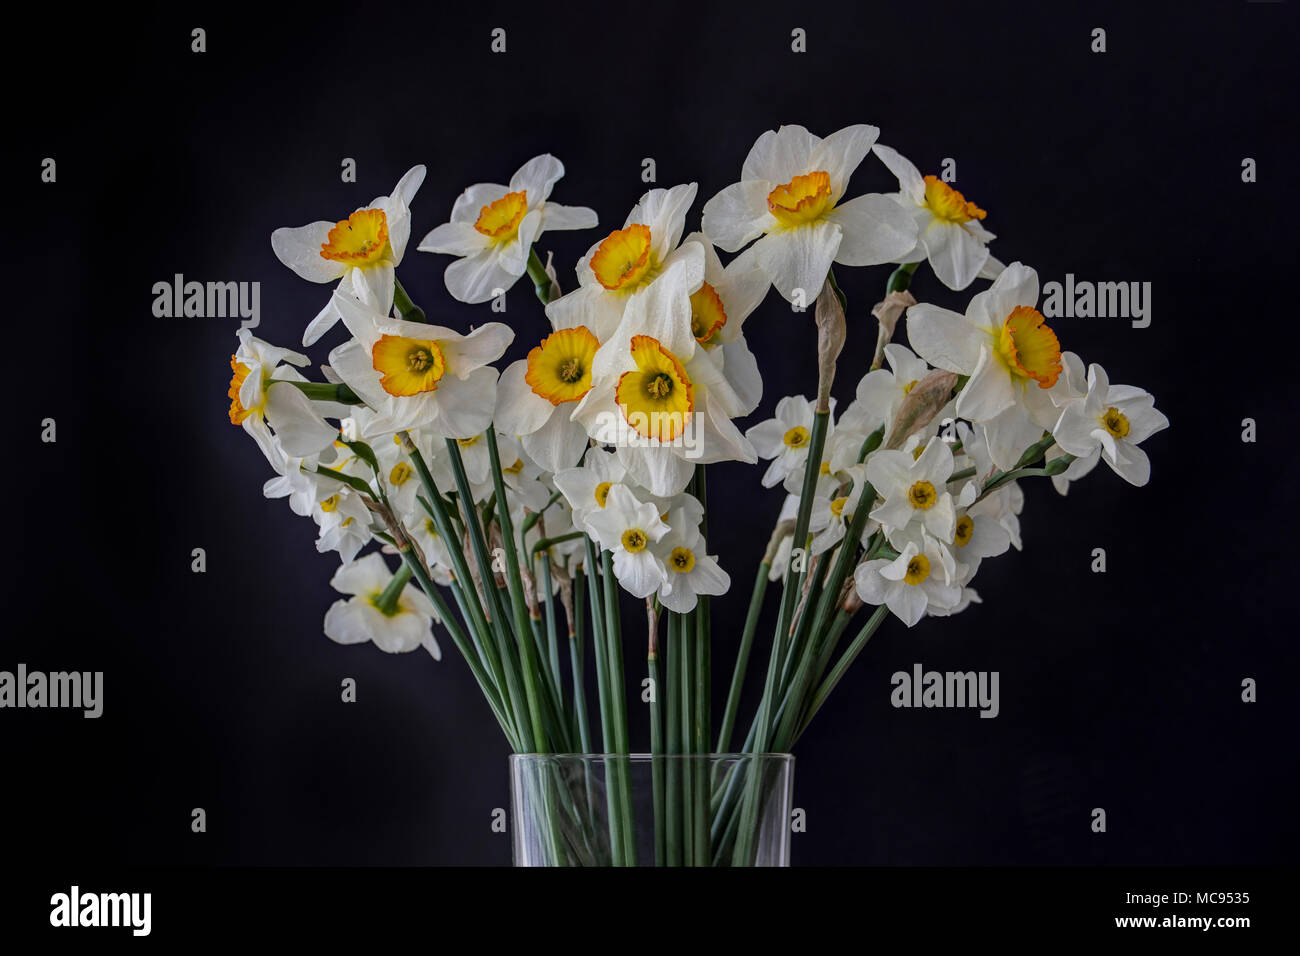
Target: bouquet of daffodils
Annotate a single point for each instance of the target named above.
(507, 508)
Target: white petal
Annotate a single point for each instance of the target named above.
(944, 339)
(478, 278)
(299, 249)
(302, 432)
(537, 177)
(876, 229)
(520, 410)
(738, 214)
(955, 255)
(555, 216)
(455, 239)
(779, 155)
(799, 258)
(910, 180)
(840, 153)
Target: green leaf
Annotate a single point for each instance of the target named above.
(350, 480)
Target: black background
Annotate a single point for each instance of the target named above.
(1118, 690)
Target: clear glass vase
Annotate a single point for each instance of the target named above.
(643, 810)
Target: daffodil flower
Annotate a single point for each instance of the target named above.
(719, 307)
(831, 513)
(417, 375)
(1109, 423)
(881, 391)
(950, 231)
(1012, 356)
(909, 585)
(630, 260)
(344, 523)
(494, 227)
(361, 251)
(627, 528)
(586, 487)
(691, 572)
(536, 397)
(915, 491)
(784, 439)
(262, 399)
(395, 623)
(658, 397)
(790, 194)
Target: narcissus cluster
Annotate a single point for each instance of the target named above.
(518, 493)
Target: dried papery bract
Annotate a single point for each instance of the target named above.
(922, 403)
(830, 341)
(887, 312)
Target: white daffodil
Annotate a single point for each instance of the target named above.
(586, 487)
(412, 374)
(396, 618)
(949, 230)
(627, 528)
(914, 582)
(690, 571)
(1013, 360)
(719, 308)
(831, 514)
(628, 261)
(658, 397)
(785, 439)
(297, 480)
(494, 227)
(1110, 422)
(363, 251)
(259, 403)
(914, 491)
(344, 522)
(880, 392)
(978, 534)
(536, 396)
(790, 193)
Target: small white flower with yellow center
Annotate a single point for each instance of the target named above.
(418, 375)
(832, 512)
(1012, 357)
(978, 534)
(916, 581)
(719, 307)
(659, 398)
(789, 194)
(536, 396)
(1109, 423)
(344, 522)
(259, 403)
(363, 251)
(627, 528)
(785, 439)
(384, 608)
(493, 227)
(586, 487)
(691, 571)
(949, 227)
(915, 491)
(880, 392)
(630, 260)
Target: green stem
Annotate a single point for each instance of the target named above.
(742, 658)
(850, 655)
(409, 311)
(323, 391)
(546, 290)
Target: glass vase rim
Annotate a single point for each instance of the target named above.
(765, 755)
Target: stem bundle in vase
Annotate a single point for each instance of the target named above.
(514, 508)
